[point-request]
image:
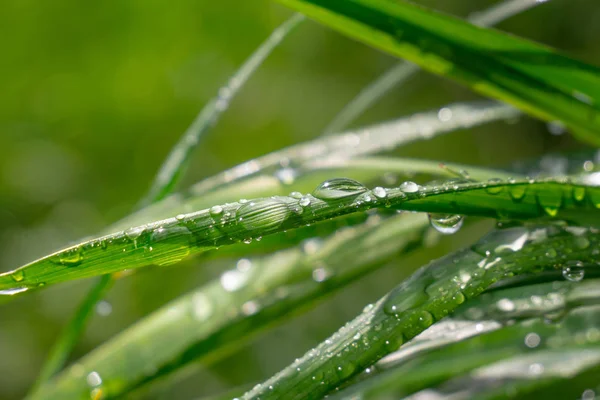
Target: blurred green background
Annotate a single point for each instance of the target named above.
(94, 94)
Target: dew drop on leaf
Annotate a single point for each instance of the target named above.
(579, 194)
(446, 223)
(573, 271)
(517, 192)
(409, 187)
(339, 188)
(18, 275)
(380, 192)
(493, 187)
(304, 201)
(263, 214)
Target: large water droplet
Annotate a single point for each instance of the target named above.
(493, 186)
(409, 187)
(18, 275)
(550, 201)
(573, 271)
(517, 192)
(446, 223)
(216, 211)
(339, 188)
(263, 214)
(93, 379)
(103, 308)
(71, 258)
(380, 192)
(304, 201)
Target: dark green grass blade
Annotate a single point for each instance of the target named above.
(432, 293)
(169, 241)
(174, 166)
(532, 77)
(433, 357)
(211, 321)
(402, 71)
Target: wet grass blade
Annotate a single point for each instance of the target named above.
(169, 241)
(429, 295)
(266, 176)
(209, 322)
(402, 71)
(545, 321)
(534, 78)
(174, 166)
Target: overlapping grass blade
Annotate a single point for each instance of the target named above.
(431, 357)
(430, 294)
(174, 166)
(534, 78)
(169, 241)
(402, 71)
(280, 172)
(208, 322)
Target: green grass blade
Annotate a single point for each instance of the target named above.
(174, 166)
(171, 240)
(431, 357)
(429, 295)
(211, 321)
(532, 77)
(62, 347)
(402, 71)
(265, 176)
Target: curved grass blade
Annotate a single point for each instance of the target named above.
(169, 241)
(430, 294)
(206, 323)
(402, 71)
(532, 77)
(174, 166)
(277, 172)
(431, 357)
(62, 347)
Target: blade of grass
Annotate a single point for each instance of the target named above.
(431, 357)
(402, 71)
(277, 172)
(174, 166)
(61, 349)
(222, 315)
(169, 241)
(532, 77)
(430, 294)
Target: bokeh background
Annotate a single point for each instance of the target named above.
(94, 94)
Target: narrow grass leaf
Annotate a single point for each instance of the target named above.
(534, 78)
(403, 70)
(174, 166)
(207, 323)
(429, 295)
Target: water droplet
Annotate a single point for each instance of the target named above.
(17, 275)
(505, 305)
(263, 214)
(409, 187)
(407, 296)
(582, 242)
(588, 394)
(579, 193)
(532, 340)
(296, 195)
(304, 201)
(233, 280)
(493, 186)
(93, 379)
(71, 258)
(216, 211)
(103, 308)
(380, 192)
(551, 253)
(345, 371)
(446, 223)
(202, 307)
(339, 188)
(247, 240)
(320, 274)
(180, 217)
(425, 319)
(250, 307)
(517, 192)
(445, 114)
(287, 176)
(573, 271)
(134, 232)
(550, 201)
(243, 264)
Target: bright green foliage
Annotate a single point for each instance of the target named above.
(532, 77)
